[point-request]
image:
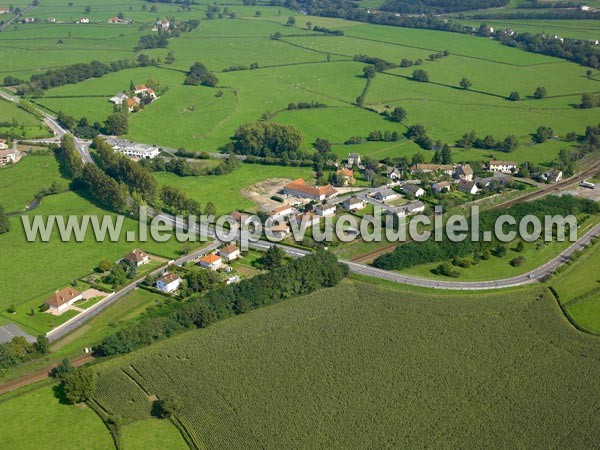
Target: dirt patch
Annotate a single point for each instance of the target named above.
(261, 193)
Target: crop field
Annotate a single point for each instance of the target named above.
(57, 425)
(425, 357)
(56, 263)
(20, 183)
(225, 190)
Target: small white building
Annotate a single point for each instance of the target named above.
(394, 174)
(163, 24)
(7, 157)
(230, 253)
(119, 99)
(325, 210)
(281, 211)
(414, 208)
(553, 176)
(169, 283)
(138, 151)
(84, 20)
(502, 166)
(3, 144)
(354, 203)
(386, 195)
(413, 189)
(468, 187)
(212, 262)
(309, 219)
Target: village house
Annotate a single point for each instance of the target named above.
(4, 10)
(414, 207)
(413, 189)
(502, 166)
(354, 203)
(279, 231)
(441, 186)
(132, 103)
(3, 144)
(51, 20)
(240, 217)
(394, 174)
(84, 20)
(353, 159)
(169, 283)
(503, 178)
(463, 172)
(142, 89)
(136, 258)
(163, 24)
(281, 211)
(62, 299)
(212, 262)
(386, 195)
(138, 151)
(553, 176)
(483, 183)
(299, 188)
(7, 157)
(468, 187)
(345, 177)
(399, 212)
(432, 168)
(229, 253)
(325, 210)
(308, 218)
(28, 20)
(119, 99)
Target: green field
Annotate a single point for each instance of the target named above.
(57, 426)
(225, 191)
(56, 263)
(152, 434)
(362, 365)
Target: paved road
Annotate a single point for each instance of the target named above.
(87, 315)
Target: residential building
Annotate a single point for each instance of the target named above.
(169, 283)
(325, 209)
(441, 186)
(503, 178)
(281, 211)
(138, 151)
(28, 20)
(414, 207)
(463, 172)
(136, 258)
(345, 177)
(3, 144)
(386, 195)
(241, 218)
(163, 24)
(144, 90)
(432, 168)
(413, 189)
(353, 159)
(502, 166)
(278, 231)
(229, 253)
(299, 188)
(119, 99)
(212, 262)
(354, 203)
(399, 212)
(394, 174)
(7, 157)
(4, 10)
(483, 183)
(51, 20)
(468, 187)
(132, 103)
(62, 299)
(84, 20)
(553, 176)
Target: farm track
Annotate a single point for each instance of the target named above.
(39, 376)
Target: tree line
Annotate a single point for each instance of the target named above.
(19, 350)
(268, 139)
(298, 277)
(4, 222)
(413, 254)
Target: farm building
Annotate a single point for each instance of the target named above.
(299, 188)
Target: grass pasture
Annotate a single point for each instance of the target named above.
(152, 434)
(425, 358)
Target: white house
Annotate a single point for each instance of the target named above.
(281, 211)
(212, 262)
(325, 210)
(3, 144)
(138, 151)
(144, 90)
(386, 195)
(354, 203)
(163, 24)
(7, 156)
(136, 258)
(463, 172)
(413, 189)
(169, 283)
(229, 253)
(468, 187)
(399, 212)
(414, 207)
(84, 20)
(585, 8)
(353, 158)
(502, 166)
(119, 99)
(394, 174)
(61, 300)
